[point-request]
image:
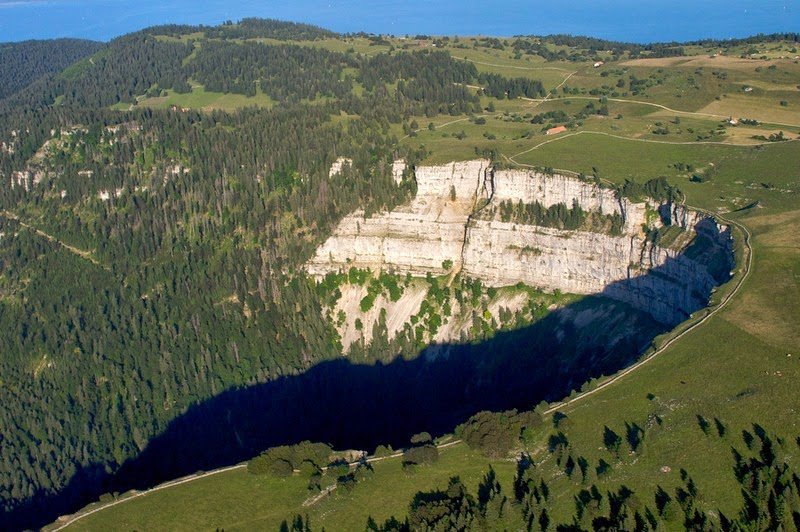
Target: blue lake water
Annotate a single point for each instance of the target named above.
(625, 20)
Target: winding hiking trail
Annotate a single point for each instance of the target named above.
(648, 141)
(197, 476)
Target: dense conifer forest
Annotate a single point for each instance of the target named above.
(25, 62)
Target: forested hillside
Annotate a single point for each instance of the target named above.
(23, 63)
(151, 258)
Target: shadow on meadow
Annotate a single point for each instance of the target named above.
(353, 405)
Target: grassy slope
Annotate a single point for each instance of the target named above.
(237, 500)
(199, 98)
(735, 367)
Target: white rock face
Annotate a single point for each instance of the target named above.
(552, 189)
(398, 168)
(467, 180)
(530, 187)
(338, 164)
(578, 262)
(417, 238)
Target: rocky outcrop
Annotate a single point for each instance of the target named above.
(338, 165)
(438, 228)
(552, 189)
(415, 238)
(398, 169)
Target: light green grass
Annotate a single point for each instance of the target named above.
(199, 98)
(738, 181)
(237, 500)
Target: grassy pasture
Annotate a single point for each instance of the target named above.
(237, 500)
(199, 98)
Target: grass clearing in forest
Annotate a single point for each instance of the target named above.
(205, 100)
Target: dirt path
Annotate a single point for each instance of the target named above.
(191, 478)
(82, 253)
(171, 484)
(676, 111)
(649, 141)
(513, 66)
(748, 262)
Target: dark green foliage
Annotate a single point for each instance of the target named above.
(433, 79)
(420, 455)
(658, 189)
(602, 468)
(421, 438)
(285, 72)
(495, 434)
(391, 525)
(550, 116)
(611, 440)
(383, 450)
(569, 466)
(559, 116)
(500, 87)
(22, 63)
(635, 436)
(252, 28)
(298, 525)
(339, 468)
(558, 215)
(436, 68)
(560, 420)
(451, 509)
(279, 468)
(127, 67)
(281, 461)
(588, 505)
(583, 465)
(704, 425)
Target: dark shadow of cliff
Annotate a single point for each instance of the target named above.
(353, 405)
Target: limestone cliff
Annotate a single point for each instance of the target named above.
(439, 232)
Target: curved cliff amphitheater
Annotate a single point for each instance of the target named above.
(510, 228)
